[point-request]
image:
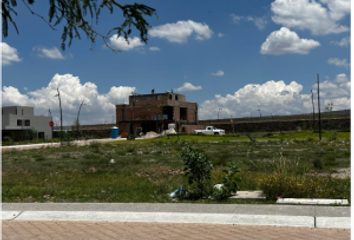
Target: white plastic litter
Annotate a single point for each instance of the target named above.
(181, 191)
(168, 132)
(218, 186)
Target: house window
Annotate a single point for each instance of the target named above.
(19, 122)
(176, 97)
(27, 123)
(183, 113)
(170, 97)
(16, 111)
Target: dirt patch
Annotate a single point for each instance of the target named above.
(159, 171)
(339, 173)
(342, 173)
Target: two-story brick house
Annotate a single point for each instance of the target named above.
(153, 112)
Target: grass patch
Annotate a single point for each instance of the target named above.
(148, 170)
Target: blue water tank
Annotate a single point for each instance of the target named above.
(114, 132)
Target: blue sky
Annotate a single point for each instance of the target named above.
(239, 56)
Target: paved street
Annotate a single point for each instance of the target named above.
(23, 230)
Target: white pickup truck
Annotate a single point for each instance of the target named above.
(210, 130)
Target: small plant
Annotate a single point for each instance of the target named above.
(198, 168)
(95, 146)
(8, 139)
(268, 135)
(332, 136)
(252, 139)
(66, 138)
(279, 164)
(317, 163)
(330, 159)
(38, 157)
(230, 183)
(131, 149)
(222, 158)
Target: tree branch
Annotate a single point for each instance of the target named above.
(74, 13)
(38, 15)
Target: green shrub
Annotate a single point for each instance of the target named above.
(282, 185)
(317, 163)
(198, 168)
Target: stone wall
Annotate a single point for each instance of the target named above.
(272, 126)
(104, 130)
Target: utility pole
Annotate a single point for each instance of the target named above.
(319, 107)
(313, 112)
(51, 128)
(61, 117)
(77, 120)
(219, 113)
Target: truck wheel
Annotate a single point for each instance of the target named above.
(216, 133)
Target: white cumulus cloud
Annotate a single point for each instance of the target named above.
(188, 87)
(277, 98)
(99, 108)
(331, 91)
(180, 31)
(344, 42)
(218, 73)
(9, 54)
(154, 49)
(221, 34)
(121, 44)
(285, 41)
(339, 62)
(260, 22)
(320, 18)
(52, 53)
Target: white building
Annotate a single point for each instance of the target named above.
(21, 118)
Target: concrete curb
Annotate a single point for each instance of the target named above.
(333, 222)
(312, 201)
(173, 217)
